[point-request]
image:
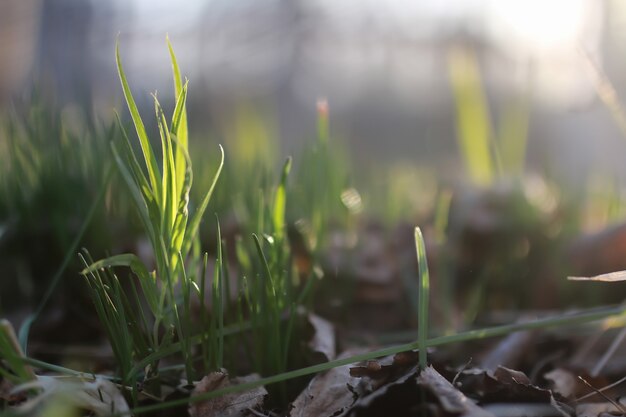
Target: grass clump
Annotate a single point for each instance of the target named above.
(161, 197)
(246, 319)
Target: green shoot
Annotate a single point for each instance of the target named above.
(162, 201)
(12, 354)
(424, 290)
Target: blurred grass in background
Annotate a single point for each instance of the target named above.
(504, 225)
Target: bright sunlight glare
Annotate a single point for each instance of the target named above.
(541, 26)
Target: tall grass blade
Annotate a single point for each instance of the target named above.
(146, 148)
(192, 230)
(280, 202)
(218, 289)
(424, 292)
(179, 125)
(182, 212)
(513, 135)
(473, 121)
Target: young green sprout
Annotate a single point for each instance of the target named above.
(424, 291)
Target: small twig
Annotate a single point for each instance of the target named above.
(608, 387)
(458, 374)
(603, 395)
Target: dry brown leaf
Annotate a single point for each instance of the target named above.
(329, 394)
(234, 404)
(99, 396)
(610, 277)
(323, 340)
(393, 398)
(386, 369)
(564, 382)
(511, 376)
(451, 399)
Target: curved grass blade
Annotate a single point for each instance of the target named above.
(140, 178)
(132, 261)
(146, 148)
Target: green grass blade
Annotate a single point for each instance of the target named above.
(424, 291)
(169, 203)
(11, 352)
(140, 178)
(182, 212)
(146, 148)
(197, 217)
(204, 345)
(280, 202)
(513, 134)
(179, 114)
(473, 121)
(130, 260)
(179, 128)
(271, 308)
(218, 289)
(266, 267)
(175, 67)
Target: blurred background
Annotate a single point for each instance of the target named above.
(496, 125)
(383, 66)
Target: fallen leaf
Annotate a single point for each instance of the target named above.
(331, 393)
(386, 369)
(396, 398)
(511, 376)
(564, 382)
(596, 253)
(234, 404)
(99, 396)
(451, 399)
(323, 340)
(610, 277)
(501, 385)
